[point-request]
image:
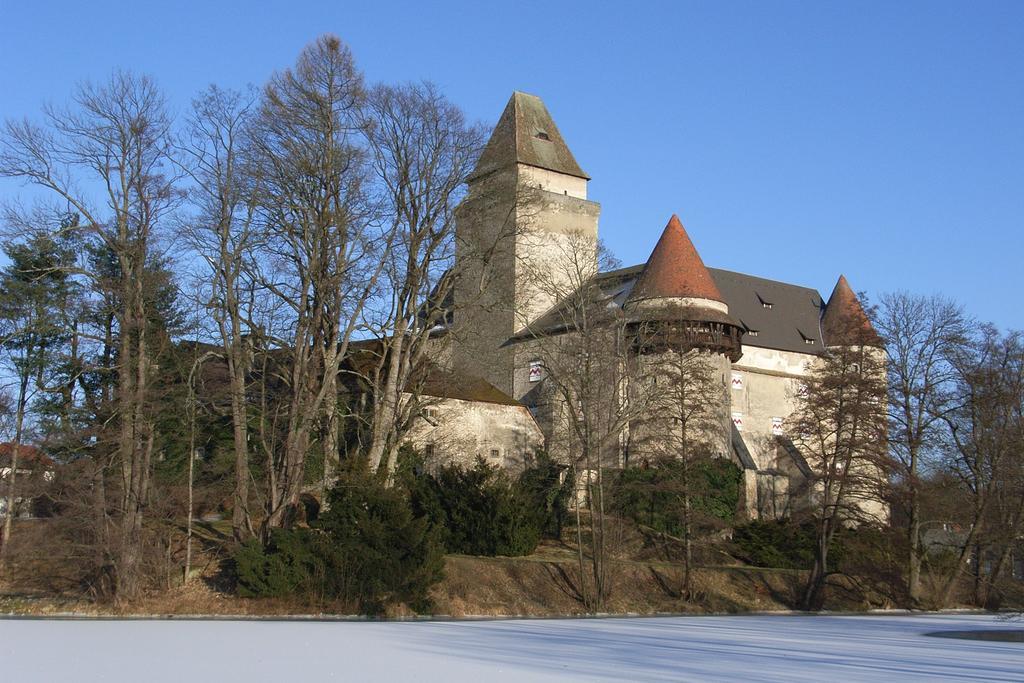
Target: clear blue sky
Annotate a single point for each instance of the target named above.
(796, 140)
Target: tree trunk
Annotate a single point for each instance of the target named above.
(687, 548)
(598, 524)
(980, 507)
(813, 593)
(913, 552)
(12, 493)
(241, 520)
(332, 438)
(137, 435)
(579, 542)
(386, 405)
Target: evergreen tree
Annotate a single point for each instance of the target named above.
(32, 289)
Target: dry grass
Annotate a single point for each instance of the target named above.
(543, 584)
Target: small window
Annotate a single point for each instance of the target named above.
(541, 135)
(428, 451)
(808, 340)
(495, 453)
(764, 302)
(752, 333)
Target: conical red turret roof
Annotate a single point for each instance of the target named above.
(844, 320)
(675, 269)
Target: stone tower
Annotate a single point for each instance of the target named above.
(675, 306)
(524, 225)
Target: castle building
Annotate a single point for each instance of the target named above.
(527, 241)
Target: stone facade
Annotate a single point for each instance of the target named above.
(455, 431)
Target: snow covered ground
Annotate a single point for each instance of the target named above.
(740, 648)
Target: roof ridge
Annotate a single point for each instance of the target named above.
(764, 279)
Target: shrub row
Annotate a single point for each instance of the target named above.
(652, 496)
(366, 551)
(377, 545)
(484, 511)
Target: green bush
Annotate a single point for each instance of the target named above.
(547, 488)
(287, 565)
(652, 496)
(392, 555)
(483, 511)
(368, 549)
(780, 544)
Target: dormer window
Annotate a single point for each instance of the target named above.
(764, 302)
(808, 340)
(541, 135)
(752, 333)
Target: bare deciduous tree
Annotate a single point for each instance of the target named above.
(212, 151)
(686, 395)
(322, 256)
(921, 335)
(115, 137)
(986, 432)
(839, 425)
(585, 349)
(423, 150)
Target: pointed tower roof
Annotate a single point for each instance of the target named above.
(526, 134)
(675, 269)
(844, 317)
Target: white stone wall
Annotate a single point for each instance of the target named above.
(768, 381)
(458, 431)
(552, 181)
(556, 251)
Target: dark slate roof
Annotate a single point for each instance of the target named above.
(429, 379)
(527, 134)
(792, 318)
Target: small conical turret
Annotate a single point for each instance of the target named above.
(675, 270)
(844, 320)
(675, 303)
